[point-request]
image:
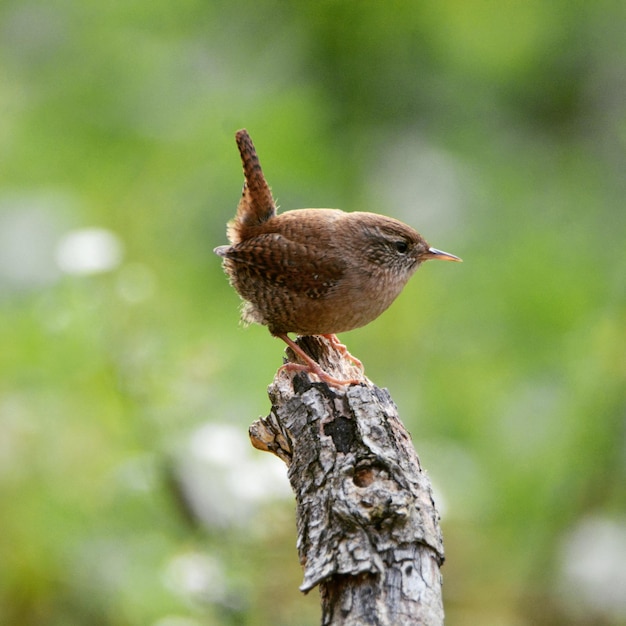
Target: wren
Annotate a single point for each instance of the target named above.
(315, 271)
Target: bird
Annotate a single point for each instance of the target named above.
(315, 271)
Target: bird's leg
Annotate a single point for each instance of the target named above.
(311, 366)
(341, 348)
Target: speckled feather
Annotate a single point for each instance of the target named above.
(281, 263)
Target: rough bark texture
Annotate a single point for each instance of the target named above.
(368, 529)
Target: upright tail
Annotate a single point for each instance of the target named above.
(257, 204)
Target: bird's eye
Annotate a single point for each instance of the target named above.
(401, 246)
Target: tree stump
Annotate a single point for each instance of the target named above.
(368, 528)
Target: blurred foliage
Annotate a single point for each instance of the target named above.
(498, 130)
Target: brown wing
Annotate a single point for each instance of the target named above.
(280, 262)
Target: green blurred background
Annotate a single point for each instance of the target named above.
(129, 492)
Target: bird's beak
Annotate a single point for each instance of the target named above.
(439, 255)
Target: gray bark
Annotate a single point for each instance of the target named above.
(368, 528)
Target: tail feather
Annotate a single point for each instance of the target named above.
(257, 204)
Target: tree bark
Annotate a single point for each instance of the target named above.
(368, 528)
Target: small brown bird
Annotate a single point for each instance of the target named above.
(315, 271)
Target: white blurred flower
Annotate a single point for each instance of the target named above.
(224, 479)
(29, 226)
(89, 251)
(195, 576)
(177, 620)
(593, 568)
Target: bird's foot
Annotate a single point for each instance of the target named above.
(341, 348)
(311, 366)
(320, 373)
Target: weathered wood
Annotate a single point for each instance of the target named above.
(368, 529)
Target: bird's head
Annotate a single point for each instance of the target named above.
(389, 244)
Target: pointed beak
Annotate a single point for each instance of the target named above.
(440, 255)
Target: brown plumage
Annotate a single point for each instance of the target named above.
(315, 271)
